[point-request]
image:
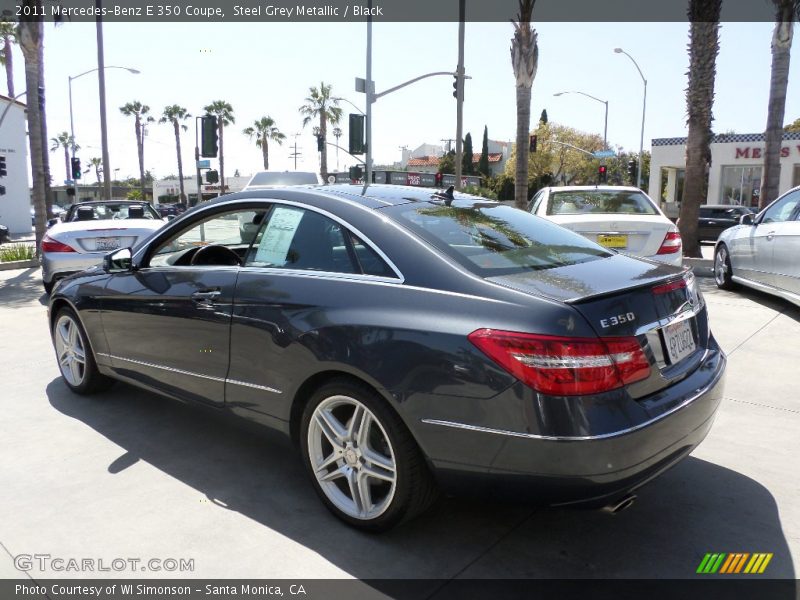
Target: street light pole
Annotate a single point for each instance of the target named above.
(644, 108)
(460, 97)
(101, 82)
(605, 125)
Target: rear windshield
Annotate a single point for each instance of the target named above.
(493, 239)
(288, 178)
(599, 202)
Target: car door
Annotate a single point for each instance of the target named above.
(304, 268)
(752, 251)
(785, 261)
(167, 323)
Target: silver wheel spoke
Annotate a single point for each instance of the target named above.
(334, 456)
(75, 370)
(80, 356)
(63, 334)
(340, 472)
(332, 429)
(364, 493)
(380, 467)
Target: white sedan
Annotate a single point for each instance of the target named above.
(762, 252)
(89, 230)
(617, 217)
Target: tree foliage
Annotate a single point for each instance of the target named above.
(483, 163)
(794, 126)
(467, 156)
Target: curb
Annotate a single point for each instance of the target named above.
(701, 267)
(19, 264)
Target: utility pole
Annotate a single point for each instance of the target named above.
(460, 93)
(295, 154)
(447, 144)
(370, 91)
(101, 79)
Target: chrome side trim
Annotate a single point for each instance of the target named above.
(254, 386)
(575, 438)
(190, 373)
(768, 289)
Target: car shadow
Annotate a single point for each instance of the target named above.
(775, 303)
(695, 508)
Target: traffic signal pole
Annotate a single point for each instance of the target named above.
(460, 96)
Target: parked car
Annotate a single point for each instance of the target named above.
(762, 252)
(408, 342)
(89, 230)
(716, 218)
(4, 235)
(624, 219)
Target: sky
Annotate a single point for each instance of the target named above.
(267, 69)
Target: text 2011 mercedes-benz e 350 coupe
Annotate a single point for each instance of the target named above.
(407, 342)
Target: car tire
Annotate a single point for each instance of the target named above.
(362, 460)
(722, 268)
(75, 357)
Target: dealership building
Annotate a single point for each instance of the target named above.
(737, 162)
(15, 198)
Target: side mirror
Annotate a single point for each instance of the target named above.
(118, 261)
(746, 219)
(52, 222)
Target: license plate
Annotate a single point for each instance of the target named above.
(679, 341)
(106, 243)
(613, 241)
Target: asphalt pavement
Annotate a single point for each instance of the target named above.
(129, 474)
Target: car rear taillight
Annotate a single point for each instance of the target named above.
(563, 366)
(51, 245)
(666, 288)
(671, 244)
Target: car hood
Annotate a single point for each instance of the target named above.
(589, 279)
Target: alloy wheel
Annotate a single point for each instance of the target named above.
(70, 350)
(352, 457)
(721, 266)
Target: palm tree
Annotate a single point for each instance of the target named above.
(337, 133)
(66, 141)
(264, 130)
(30, 35)
(785, 12)
(703, 50)
(139, 112)
(8, 32)
(97, 163)
(525, 61)
(320, 104)
(224, 113)
(175, 114)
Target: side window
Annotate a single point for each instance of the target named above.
(783, 209)
(369, 260)
(294, 238)
(233, 229)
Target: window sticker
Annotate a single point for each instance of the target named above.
(277, 238)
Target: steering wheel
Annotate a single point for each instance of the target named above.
(216, 255)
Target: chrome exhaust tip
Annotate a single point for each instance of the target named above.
(620, 505)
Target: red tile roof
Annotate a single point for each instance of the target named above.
(433, 161)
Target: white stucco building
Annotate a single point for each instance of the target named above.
(15, 197)
(737, 162)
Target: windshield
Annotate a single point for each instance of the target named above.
(622, 202)
(287, 178)
(98, 212)
(493, 239)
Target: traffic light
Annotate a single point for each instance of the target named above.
(208, 141)
(212, 177)
(602, 174)
(3, 170)
(532, 147)
(320, 142)
(632, 171)
(356, 145)
(75, 164)
(355, 173)
(2, 190)
(455, 86)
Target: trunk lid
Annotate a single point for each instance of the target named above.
(640, 235)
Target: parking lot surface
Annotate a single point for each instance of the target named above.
(129, 474)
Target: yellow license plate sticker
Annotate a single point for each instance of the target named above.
(613, 241)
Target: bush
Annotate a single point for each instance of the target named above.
(484, 192)
(14, 252)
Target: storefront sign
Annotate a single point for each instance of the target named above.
(758, 152)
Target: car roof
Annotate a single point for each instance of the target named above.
(377, 195)
(112, 201)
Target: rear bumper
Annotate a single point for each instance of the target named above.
(56, 265)
(586, 468)
(675, 259)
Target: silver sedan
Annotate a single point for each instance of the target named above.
(762, 251)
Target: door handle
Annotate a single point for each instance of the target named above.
(206, 296)
(770, 235)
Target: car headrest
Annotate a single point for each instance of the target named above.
(85, 213)
(136, 212)
(258, 218)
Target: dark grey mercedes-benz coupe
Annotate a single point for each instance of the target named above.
(407, 342)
